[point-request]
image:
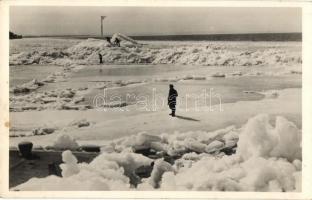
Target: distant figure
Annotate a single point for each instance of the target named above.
(117, 42)
(108, 39)
(172, 98)
(101, 58)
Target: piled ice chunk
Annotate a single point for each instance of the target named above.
(213, 54)
(268, 158)
(70, 166)
(64, 141)
(260, 139)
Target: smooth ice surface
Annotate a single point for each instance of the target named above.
(106, 125)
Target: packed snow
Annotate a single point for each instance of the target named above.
(267, 158)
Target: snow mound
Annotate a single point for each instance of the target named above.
(218, 75)
(260, 139)
(86, 49)
(269, 94)
(27, 87)
(43, 131)
(230, 173)
(268, 158)
(86, 52)
(57, 57)
(106, 172)
(70, 166)
(159, 168)
(67, 99)
(64, 141)
(80, 123)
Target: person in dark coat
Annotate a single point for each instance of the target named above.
(117, 42)
(172, 99)
(101, 58)
(108, 39)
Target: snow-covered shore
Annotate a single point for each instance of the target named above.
(205, 53)
(249, 142)
(267, 158)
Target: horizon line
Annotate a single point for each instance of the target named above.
(157, 35)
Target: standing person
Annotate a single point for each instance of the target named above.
(100, 57)
(117, 42)
(108, 39)
(172, 99)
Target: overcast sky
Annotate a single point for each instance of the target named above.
(32, 20)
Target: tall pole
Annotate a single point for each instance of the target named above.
(101, 28)
(102, 18)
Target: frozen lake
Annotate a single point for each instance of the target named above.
(229, 89)
(244, 97)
